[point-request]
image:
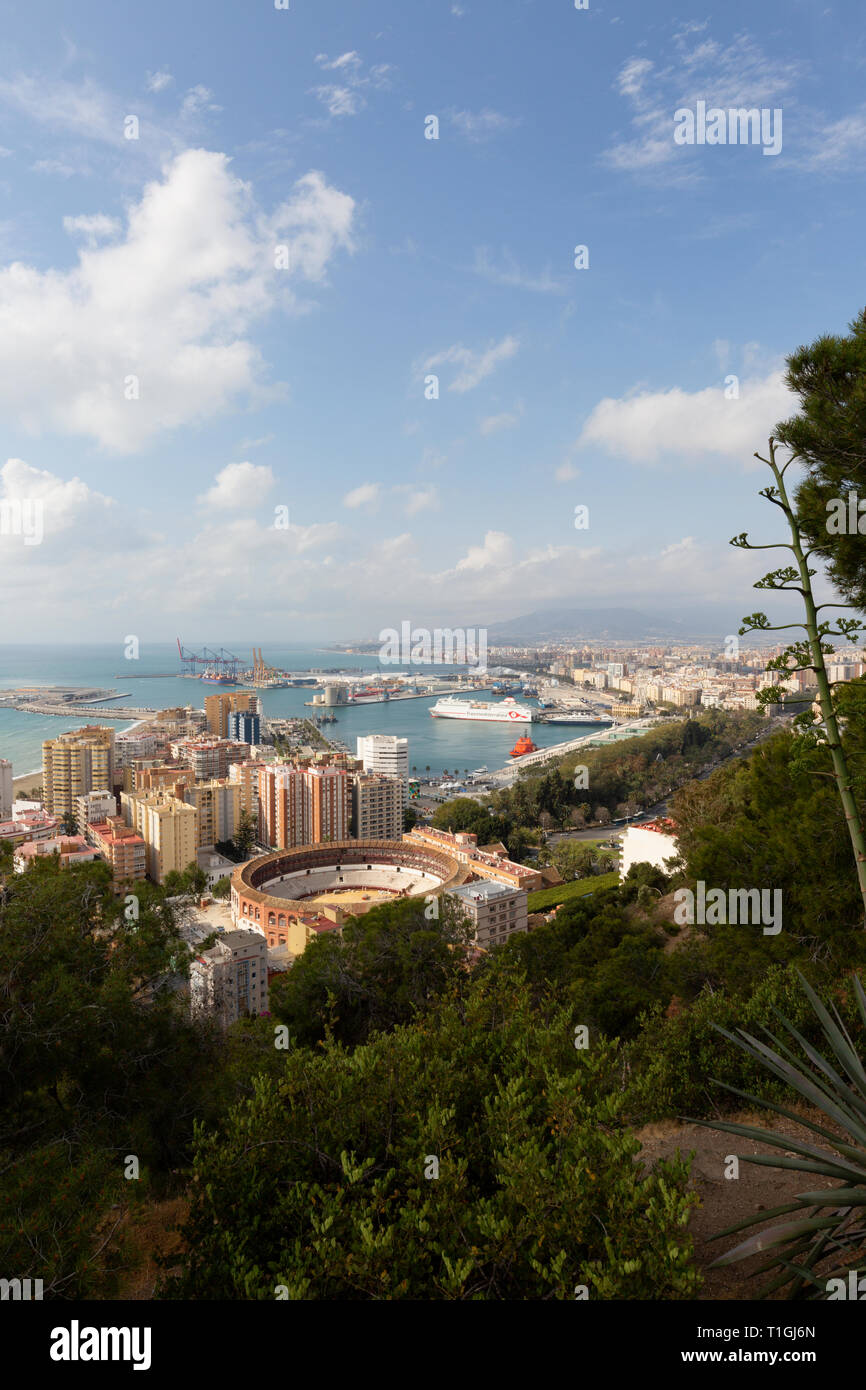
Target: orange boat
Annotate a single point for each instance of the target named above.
(523, 745)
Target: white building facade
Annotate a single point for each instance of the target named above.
(230, 981)
(388, 754)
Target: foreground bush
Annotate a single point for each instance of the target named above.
(673, 1065)
(322, 1185)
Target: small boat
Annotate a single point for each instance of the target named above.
(522, 746)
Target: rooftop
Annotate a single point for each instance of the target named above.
(484, 891)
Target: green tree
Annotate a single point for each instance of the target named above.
(809, 655)
(829, 436)
(98, 1060)
(767, 822)
(245, 834)
(473, 1154)
(387, 964)
(573, 859)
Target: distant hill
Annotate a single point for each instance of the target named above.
(561, 625)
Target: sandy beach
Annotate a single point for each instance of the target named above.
(27, 782)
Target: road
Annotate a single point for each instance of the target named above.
(617, 828)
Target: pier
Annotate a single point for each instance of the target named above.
(505, 776)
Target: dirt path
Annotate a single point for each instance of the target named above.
(725, 1201)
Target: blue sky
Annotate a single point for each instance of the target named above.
(263, 388)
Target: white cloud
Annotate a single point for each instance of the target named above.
(838, 144)
(157, 81)
(732, 76)
(347, 62)
(61, 167)
(94, 228)
(316, 536)
(340, 101)
(397, 547)
(475, 366)
(509, 273)
(66, 505)
(170, 304)
(478, 126)
(648, 424)
(346, 97)
(363, 496)
(319, 577)
(492, 424)
(566, 473)
(239, 487)
(497, 550)
(256, 443)
(76, 108)
(421, 499)
(197, 100)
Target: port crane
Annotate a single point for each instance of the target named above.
(222, 663)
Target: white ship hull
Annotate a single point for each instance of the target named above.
(504, 712)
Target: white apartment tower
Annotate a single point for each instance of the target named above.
(230, 980)
(388, 754)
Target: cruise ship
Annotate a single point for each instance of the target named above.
(501, 712)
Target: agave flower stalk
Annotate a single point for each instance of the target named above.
(808, 655)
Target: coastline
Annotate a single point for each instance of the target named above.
(28, 781)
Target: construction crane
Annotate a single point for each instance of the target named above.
(221, 663)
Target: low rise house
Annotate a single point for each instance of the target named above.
(72, 849)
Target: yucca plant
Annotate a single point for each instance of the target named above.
(830, 1227)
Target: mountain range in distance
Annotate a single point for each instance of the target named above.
(614, 624)
(705, 623)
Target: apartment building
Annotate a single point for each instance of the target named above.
(5, 789)
(122, 848)
(218, 803)
(245, 727)
(377, 807)
(208, 757)
(169, 828)
(157, 776)
(328, 800)
(388, 754)
(246, 775)
(681, 695)
(496, 911)
(304, 805)
(76, 763)
(182, 721)
(230, 981)
(138, 744)
(218, 709)
(94, 806)
(28, 825)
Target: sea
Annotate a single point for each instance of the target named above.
(154, 680)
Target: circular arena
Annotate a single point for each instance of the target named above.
(351, 876)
